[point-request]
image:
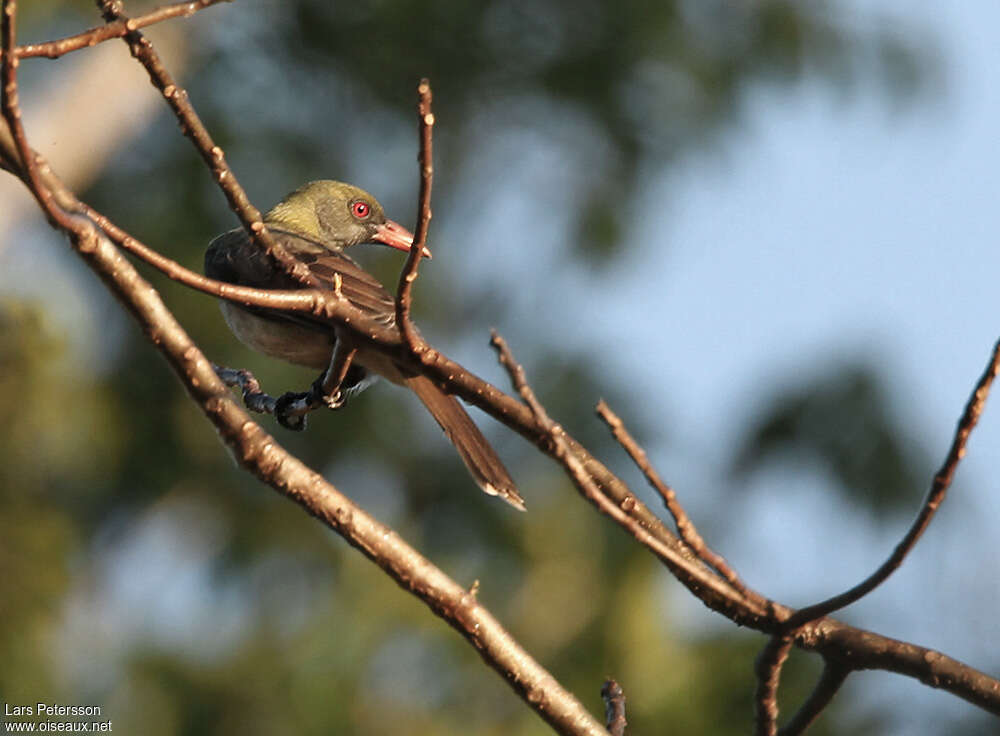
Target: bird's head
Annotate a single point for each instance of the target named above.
(339, 215)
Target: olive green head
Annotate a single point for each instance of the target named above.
(339, 215)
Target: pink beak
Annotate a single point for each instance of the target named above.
(396, 236)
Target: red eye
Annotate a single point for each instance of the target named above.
(360, 209)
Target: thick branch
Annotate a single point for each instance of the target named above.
(858, 649)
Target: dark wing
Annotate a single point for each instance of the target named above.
(359, 287)
(232, 257)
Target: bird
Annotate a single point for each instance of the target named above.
(316, 224)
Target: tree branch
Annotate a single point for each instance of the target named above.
(685, 527)
(768, 669)
(117, 29)
(858, 649)
(834, 675)
(935, 497)
(404, 292)
(582, 479)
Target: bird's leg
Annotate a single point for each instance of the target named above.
(326, 389)
(290, 409)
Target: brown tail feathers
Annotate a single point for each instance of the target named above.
(477, 454)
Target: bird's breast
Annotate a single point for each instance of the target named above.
(285, 340)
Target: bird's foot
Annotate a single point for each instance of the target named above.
(290, 410)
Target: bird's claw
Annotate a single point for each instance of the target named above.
(334, 400)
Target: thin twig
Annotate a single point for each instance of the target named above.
(685, 527)
(11, 110)
(935, 497)
(768, 668)
(614, 707)
(561, 450)
(58, 47)
(328, 385)
(318, 301)
(192, 127)
(829, 683)
(411, 338)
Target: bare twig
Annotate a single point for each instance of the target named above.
(412, 339)
(828, 685)
(561, 450)
(768, 668)
(92, 37)
(192, 127)
(685, 527)
(614, 707)
(318, 301)
(856, 650)
(939, 488)
(327, 386)
(32, 166)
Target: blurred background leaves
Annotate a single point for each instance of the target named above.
(144, 572)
